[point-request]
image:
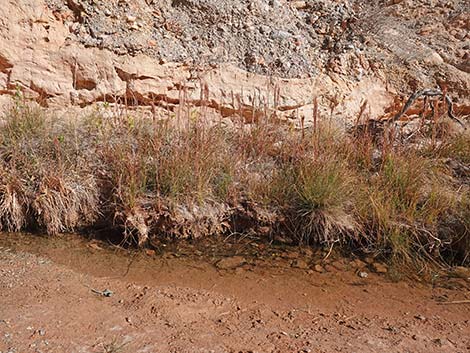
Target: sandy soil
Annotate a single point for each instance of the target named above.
(176, 302)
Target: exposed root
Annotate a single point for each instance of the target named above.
(429, 93)
(326, 227)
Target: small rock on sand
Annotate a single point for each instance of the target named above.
(379, 268)
(230, 262)
(357, 263)
(339, 265)
(461, 272)
(363, 274)
(300, 264)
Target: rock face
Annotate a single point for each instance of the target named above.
(77, 52)
(276, 38)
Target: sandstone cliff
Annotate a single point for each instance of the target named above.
(77, 52)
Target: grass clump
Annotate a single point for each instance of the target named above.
(43, 180)
(314, 192)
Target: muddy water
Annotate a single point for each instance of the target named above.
(268, 274)
(265, 273)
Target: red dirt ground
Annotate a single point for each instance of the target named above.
(180, 303)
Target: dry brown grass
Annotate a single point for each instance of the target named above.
(44, 182)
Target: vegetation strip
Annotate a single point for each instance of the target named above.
(403, 195)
